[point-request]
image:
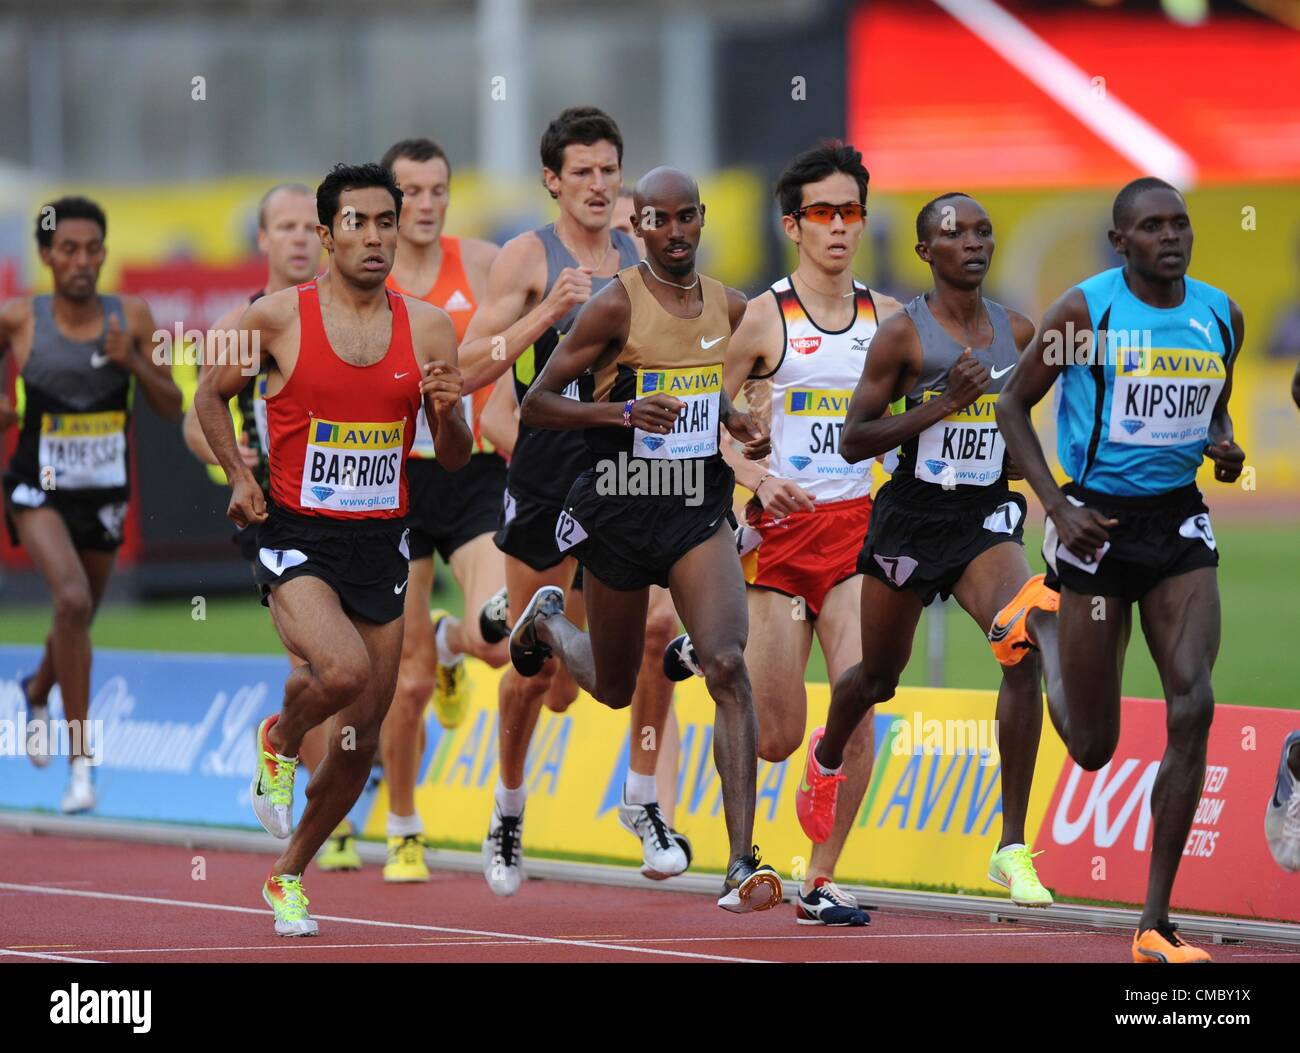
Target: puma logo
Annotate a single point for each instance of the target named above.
(1203, 327)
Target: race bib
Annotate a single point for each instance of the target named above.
(1054, 552)
(810, 435)
(1164, 397)
(568, 532)
(352, 467)
(423, 444)
(696, 432)
(963, 449)
(87, 451)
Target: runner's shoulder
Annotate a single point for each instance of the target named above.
(273, 312)
(16, 312)
(886, 305)
(522, 259)
(476, 252)
(1022, 327)
(737, 302)
(428, 320)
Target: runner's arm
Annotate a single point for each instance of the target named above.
(1295, 386)
(755, 345)
(499, 421)
(152, 371)
(740, 423)
(12, 316)
(892, 366)
(1022, 332)
(433, 338)
(191, 429)
(1221, 447)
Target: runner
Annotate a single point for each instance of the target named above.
(535, 289)
(286, 235)
(79, 356)
(799, 352)
(1137, 411)
(351, 363)
(453, 513)
(946, 523)
(654, 510)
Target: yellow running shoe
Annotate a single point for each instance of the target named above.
(451, 695)
(1013, 868)
(340, 852)
(406, 860)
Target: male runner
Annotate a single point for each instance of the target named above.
(78, 355)
(286, 235)
(535, 288)
(1145, 355)
(799, 352)
(946, 523)
(653, 343)
(454, 513)
(351, 365)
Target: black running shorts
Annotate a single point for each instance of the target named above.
(95, 525)
(448, 509)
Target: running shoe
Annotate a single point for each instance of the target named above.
(339, 852)
(38, 725)
(680, 662)
(80, 794)
(451, 692)
(1282, 817)
(1009, 635)
(494, 617)
(406, 860)
(271, 790)
(527, 653)
(1163, 946)
(284, 895)
(1013, 868)
(750, 885)
(814, 801)
(503, 855)
(828, 904)
(662, 853)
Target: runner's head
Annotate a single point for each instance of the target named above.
(954, 235)
(667, 217)
(286, 234)
(70, 233)
(623, 218)
(831, 174)
(357, 209)
(1152, 230)
(420, 167)
(582, 165)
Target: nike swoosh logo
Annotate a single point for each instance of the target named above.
(995, 373)
(997, 632)
(803, 784)
(706, 344)
(258, 791)
(399, 589)
(398, 376)
(99, 359)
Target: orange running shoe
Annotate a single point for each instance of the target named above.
(1162, 945)
(814, 801)
(1009, 636)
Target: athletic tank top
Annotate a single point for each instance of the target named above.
(681, 357)
(340, 433)
(1135, 419)
(76, 404)
(811, 388)
(545, 463)
(453, 294)
(964, 451)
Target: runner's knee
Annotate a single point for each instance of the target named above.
(1092, 751)
(342, 678)
(776, 744)
(877, 687)
(73, 605)
(616, 689)
(660, 628)
(414, 687)
(1190, 714)
(723, 669)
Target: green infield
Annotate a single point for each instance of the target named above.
(1258, 662)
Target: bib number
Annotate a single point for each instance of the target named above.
(811, 426)
(568, 532)
(353, 467)
(87, 451)
(965, 448)
(696, 432)
(1164, 397)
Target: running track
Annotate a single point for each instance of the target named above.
(90, 900)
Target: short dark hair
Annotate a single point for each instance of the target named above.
(297, 188)
(67, 208)
(811, 166)
(352, 177)
(1126, 199)
(414, 150)
(930, 211)
(578, 124)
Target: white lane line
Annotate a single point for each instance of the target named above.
(263, 912)
(1146, 147)
(54, 957)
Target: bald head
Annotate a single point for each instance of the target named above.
(668, 217)
(665, 188)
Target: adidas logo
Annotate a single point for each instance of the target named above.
(458, 301)
(801, 462)
(1131, 426)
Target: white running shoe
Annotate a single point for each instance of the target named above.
(1282, 817)
(80, 794)
(663, 856)
(38, 717)
(503, 855)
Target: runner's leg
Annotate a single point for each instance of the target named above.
(401, 742)
(479, 571)
(776, 656)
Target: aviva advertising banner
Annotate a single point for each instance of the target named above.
(177, 745)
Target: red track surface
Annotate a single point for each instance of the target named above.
(105, 901)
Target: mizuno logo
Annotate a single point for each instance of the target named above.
(995, 373)
(706, 344)
(1203, 327)
(98, 359)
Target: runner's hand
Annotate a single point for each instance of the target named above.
(8, 418)
(572, 288)
(967, 380)
(743, 428)
(1082, 530)
(247, 502)
(247, 452)
(1228, 460)
(443, 383)
(117, 343)
(656, 413)
(780, 497)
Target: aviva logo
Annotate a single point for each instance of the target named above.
(810, 402)
(78, 425)
(353, 436)
(703, 380)
(1173, 362)
(982, 409)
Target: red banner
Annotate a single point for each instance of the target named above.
(193, 294)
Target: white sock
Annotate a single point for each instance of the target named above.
(446, 656)
(640, 789)
(1016, 844)
(823, 769)
(510, 802)
(405, 825)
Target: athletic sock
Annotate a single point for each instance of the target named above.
(639, 789)
(510, 802)
(1014, 844)
(823, 769)
(405, 825)
(446, 656)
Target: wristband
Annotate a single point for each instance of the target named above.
(627, 412)
(761, 482)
